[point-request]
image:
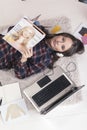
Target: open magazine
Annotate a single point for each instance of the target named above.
(24, 35)
(81, 33)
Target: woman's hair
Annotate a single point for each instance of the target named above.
(77, 46)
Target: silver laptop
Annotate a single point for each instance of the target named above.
(50, 90)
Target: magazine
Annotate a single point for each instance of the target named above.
(81, 33)
(24, 35)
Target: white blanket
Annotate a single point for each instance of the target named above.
(69, 63)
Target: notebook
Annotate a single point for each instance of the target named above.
(50, 90)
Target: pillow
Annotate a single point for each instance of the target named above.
(57, 25)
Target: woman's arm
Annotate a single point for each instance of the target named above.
(26, 53)
(22, 70)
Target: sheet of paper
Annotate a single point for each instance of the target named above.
(10, 92)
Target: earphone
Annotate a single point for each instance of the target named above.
(59, 54)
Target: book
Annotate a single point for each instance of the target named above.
(81, 33)
(25, 34)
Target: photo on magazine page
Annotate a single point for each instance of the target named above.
(24, 35)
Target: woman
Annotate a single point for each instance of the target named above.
(43, 55)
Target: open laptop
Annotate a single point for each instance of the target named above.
(50, 90)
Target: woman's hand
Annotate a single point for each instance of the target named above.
(26, 53)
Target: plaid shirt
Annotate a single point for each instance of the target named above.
(11, 58)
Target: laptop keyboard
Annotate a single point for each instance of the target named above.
(51, 90)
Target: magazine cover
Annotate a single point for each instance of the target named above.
(24, 35)
(81, 33)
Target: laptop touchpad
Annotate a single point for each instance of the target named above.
(44, 81)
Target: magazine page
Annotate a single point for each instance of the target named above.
(13, 111)
(81, 33)
(24, 35)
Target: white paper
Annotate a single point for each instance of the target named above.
(13, 111)
(10, 92)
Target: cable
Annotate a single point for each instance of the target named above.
(70, 67)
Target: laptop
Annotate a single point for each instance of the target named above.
(50, 90)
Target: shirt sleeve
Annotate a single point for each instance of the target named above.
(21, 70)
(32, 65)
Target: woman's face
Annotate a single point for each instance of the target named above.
(60, 43)
(28, 33)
